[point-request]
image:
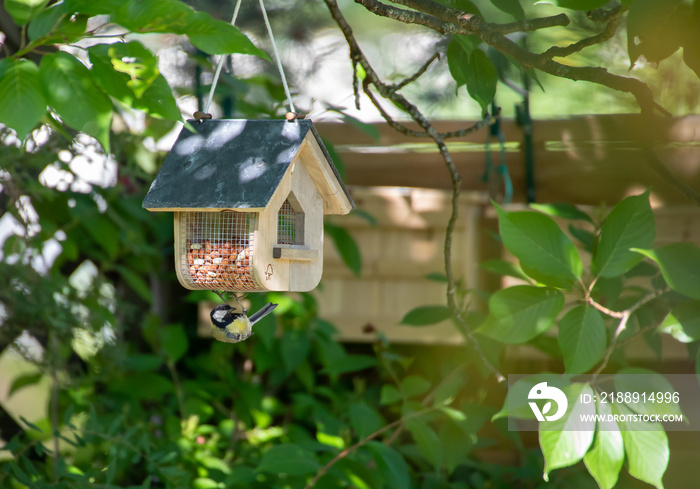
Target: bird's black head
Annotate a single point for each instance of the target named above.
(222, 315)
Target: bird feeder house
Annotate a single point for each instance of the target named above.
(249, 198)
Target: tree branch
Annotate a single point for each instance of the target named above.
(388, 92)
(608, 32)
(447, 20)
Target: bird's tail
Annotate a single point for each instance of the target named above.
(264, 311)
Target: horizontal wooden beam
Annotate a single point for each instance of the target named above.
(607, 127)
(583, 160)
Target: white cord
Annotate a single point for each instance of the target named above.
(221, 62)
(277, 58)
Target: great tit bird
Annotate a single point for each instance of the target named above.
(230, 326)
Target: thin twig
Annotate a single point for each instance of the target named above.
(362, 442)
(54, 404)
(417, 74)
(605, 310)
(621, 326)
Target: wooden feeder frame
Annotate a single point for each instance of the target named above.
(249, 199)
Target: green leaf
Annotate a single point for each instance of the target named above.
(538, 243)
(646, 448)
(457, 62)
(456, 445)
(511, 7)
(137, 63)
(581, 4)
(151, 93)
(482, 79)
(436, 277)
(56, 25)
(655, 29)
(346, 246)
(647, 383)
(629, 225)
(142, 362)
(426, 315)
(204, 483)
(448, 388)
(586, 238)
(518, 314)
(91, 7)
(368, 129)
(101, 229)
(174, 342)
(24, 381)
(565, 211)
(218, 37)
(134, 281)
(504, 267)
(390, 464)
(288, 459)
(294, 348)
(582, 338)
(465, 6)
(604, 460)
(350, 363)
(414, 385)
(22, 103)
(680, 266)
(389, 395)
(427, 440)
(22, 11)
(210, 35)
(70, 91)
(565, 441)
(364, 420)
(683, 322)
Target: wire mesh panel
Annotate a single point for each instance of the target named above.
(287, 224)
(216, 250)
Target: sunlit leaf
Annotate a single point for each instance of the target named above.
(646, 448)
(565, 441)
(629, 225)
(680, 266)
(538, 243)
(518, 314)
(70, 91)
(22, 103)
(582, 338)
(604, 460)
(22, 11)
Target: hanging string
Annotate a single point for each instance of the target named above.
(277, 58)
(221, 62)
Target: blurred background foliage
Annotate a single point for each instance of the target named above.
(107, 382)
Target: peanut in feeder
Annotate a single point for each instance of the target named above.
(249, 198)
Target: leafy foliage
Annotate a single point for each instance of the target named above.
(140, 400)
